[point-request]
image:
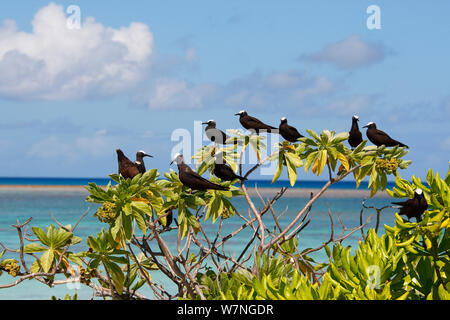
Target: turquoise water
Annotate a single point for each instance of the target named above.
(68, 205)
(313, 184)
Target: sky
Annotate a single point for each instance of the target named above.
(133, 75)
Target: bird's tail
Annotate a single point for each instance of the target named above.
(219, 187)
(242, 179)
(402, 145)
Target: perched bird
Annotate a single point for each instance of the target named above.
(288, 132)
(127, 168)
(355, 136)
(223, 171)
(169, 218)
(251, 123)
(378, 137)
(192, 179)
(214, 134)
(414, 207)
(140, 160)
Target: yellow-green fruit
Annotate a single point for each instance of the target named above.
(84, 276)
(107, 212)
(225, 213)
(12, 268)
(380, 163)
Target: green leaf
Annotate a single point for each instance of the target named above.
(33, 247)
(294, 159)
(292, 173)
(309, 160)
(59, 238)
(47, 260)
(313, 134)
(279, 169)
(322, 161)
(116, 274)
(340, 137)
(142, 207)
(41, 235)
(140, 222)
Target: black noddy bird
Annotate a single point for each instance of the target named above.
(127, 168)
(378, 137)
(214, 134)
(354, 135)
(192, 179)
(169, 218)
(414, 207)
(288, 132)
(140, 160)
(251, 123)
(223, 171)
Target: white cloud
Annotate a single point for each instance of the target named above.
(95, 145)
(176, 94)
(351, 105)
(191, 54)
(274, 90)
(53, 62)
(352, 52)
(52, 147)
(283, 80)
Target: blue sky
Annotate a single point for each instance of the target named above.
(135, 71)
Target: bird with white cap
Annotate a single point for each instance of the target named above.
(414, 207)
(354, 135)
(378, 137)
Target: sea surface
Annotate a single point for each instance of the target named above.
(302, 184)
(67, 205)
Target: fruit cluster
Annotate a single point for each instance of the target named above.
(12, 267)
(387, 165)
(107, 212)
(85, 277)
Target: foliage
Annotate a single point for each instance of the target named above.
(408, 261)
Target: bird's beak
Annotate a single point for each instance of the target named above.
(237, 114)
(366, 126)
(172, 162)
(147, 155)
(204, 122)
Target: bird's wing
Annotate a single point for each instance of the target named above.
(228, 170)
(293, 131)
(194, 175)
(382, 133)
(257, 123)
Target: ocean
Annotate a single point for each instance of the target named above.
(68, 204)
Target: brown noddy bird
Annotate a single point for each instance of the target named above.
(192, 179)
(251, 123)
(354, 135)
(140, 160)
(214, 134)
(127, 168)
(378, 137)
(288, 132)
(223, 171)
(413, 207)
